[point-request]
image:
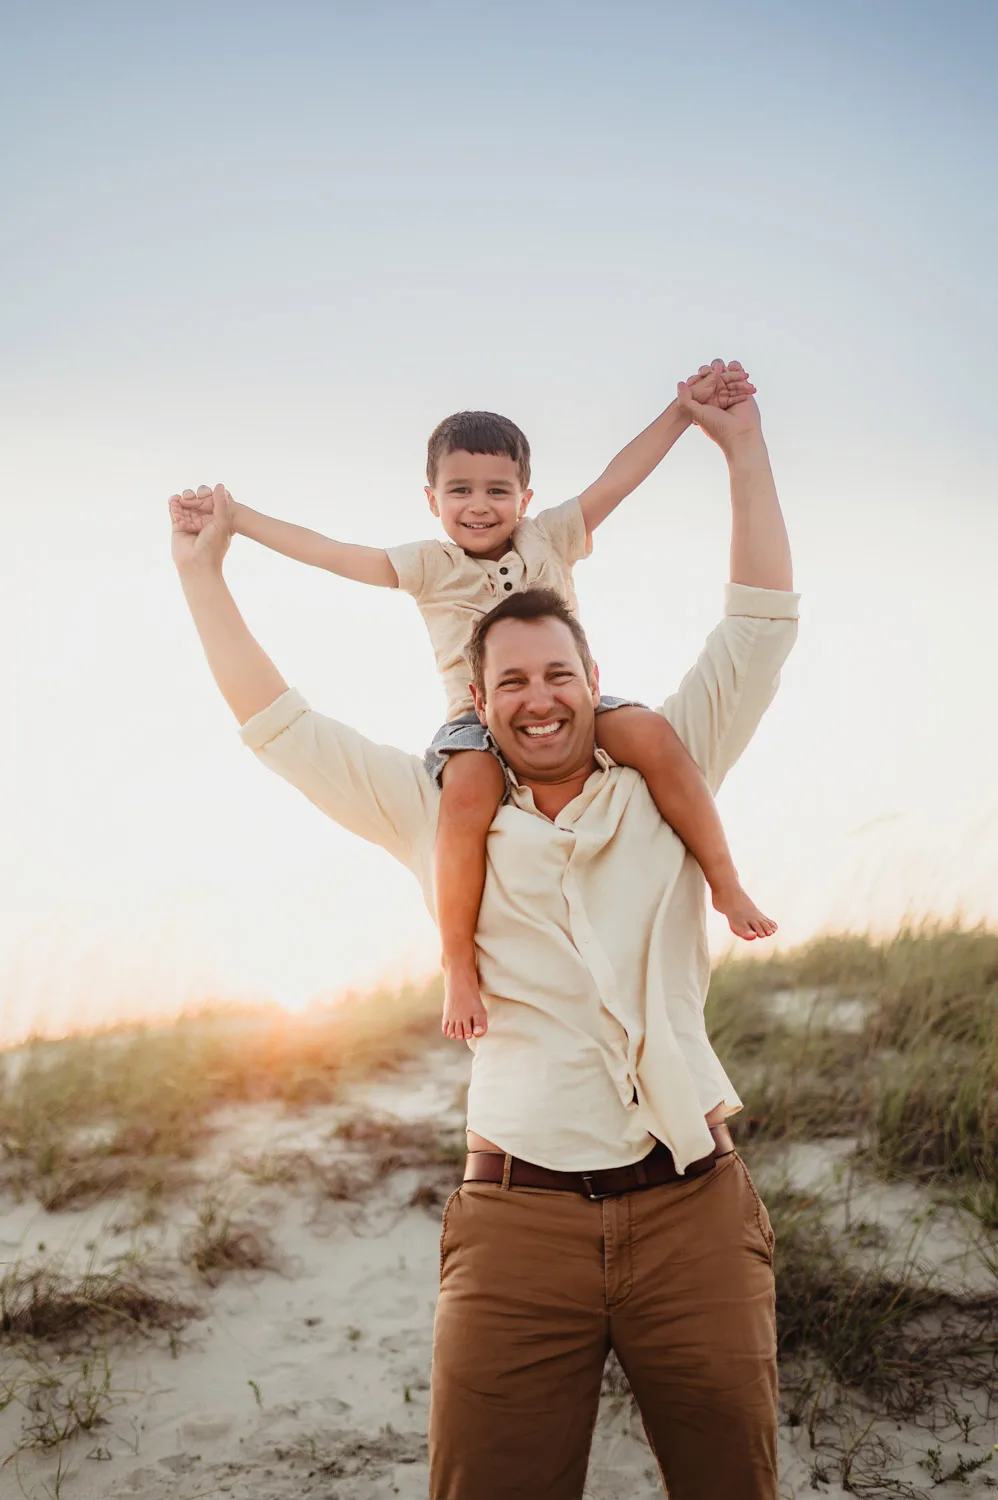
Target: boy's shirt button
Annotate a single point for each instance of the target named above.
(507, 586)
(504, 570)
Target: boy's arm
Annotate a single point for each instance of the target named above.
(717, 383)
(363, 564)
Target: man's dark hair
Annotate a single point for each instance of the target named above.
(478, 432)
(531, 604)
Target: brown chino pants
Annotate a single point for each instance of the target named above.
(536, 1287)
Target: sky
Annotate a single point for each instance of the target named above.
(274, 246)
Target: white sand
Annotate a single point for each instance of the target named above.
(314, 1382)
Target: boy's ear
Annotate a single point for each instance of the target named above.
(525, 500)
(431, 497)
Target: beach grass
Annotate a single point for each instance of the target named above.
(893, 1043)
(129, 1110)
(890, 1045)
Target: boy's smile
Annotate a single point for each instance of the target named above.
(479, 500)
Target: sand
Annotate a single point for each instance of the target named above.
(313, 1380)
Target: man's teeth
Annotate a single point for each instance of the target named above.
(537, 730)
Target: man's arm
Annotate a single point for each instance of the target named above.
(363, 564)
(376, 791)
(714, 383)
(245, 674)
(723, 697)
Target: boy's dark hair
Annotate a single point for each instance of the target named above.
(531, 604)
(478, 432)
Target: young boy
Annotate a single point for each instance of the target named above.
(478, 473)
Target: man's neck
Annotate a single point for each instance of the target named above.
(551, 797)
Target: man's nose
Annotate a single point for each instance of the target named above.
(538, 699)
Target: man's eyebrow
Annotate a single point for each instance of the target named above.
(550, 666)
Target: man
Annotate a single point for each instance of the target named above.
(603, 1205)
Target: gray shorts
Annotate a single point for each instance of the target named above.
(467, 732)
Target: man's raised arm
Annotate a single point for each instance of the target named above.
(375, 791)
(723, 697)
(246, 676)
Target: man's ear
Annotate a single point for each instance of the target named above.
(525, 500)
(479, 701)
(431, 497)
(594, 685)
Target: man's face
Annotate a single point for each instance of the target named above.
(538, 702)
(479, 499)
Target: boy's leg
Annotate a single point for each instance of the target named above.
(646, 741)
(519, 1344)
(472, 788)
(695, 1331)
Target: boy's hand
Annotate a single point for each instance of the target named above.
(719, 384)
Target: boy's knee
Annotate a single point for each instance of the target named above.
(472, 783)
(634, 725)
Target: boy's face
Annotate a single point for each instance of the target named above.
(479, 499)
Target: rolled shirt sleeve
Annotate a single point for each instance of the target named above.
(720, 701)
(376, 791)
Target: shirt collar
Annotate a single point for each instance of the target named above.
(523, 798)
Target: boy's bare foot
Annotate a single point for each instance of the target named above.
(744, 917)
(464, 1012)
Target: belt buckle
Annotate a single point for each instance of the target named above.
(588, 1184)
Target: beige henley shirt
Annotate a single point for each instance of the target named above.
(591, 939)
(453, 590)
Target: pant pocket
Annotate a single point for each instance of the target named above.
(443, 1228)
(762, 1218)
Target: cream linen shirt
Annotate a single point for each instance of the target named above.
(453, 590)
(591, 939)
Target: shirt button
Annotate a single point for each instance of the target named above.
(504, 570)
(507, 586)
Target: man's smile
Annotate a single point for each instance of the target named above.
(545, 730)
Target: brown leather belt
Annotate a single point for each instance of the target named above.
(654, 1170)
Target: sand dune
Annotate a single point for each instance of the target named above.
(311, 1378)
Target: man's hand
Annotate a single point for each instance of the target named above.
(731, 415)
(202, 527)
(721, 385)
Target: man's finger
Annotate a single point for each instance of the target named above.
(204, 493)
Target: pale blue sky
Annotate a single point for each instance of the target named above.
(274, 245)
